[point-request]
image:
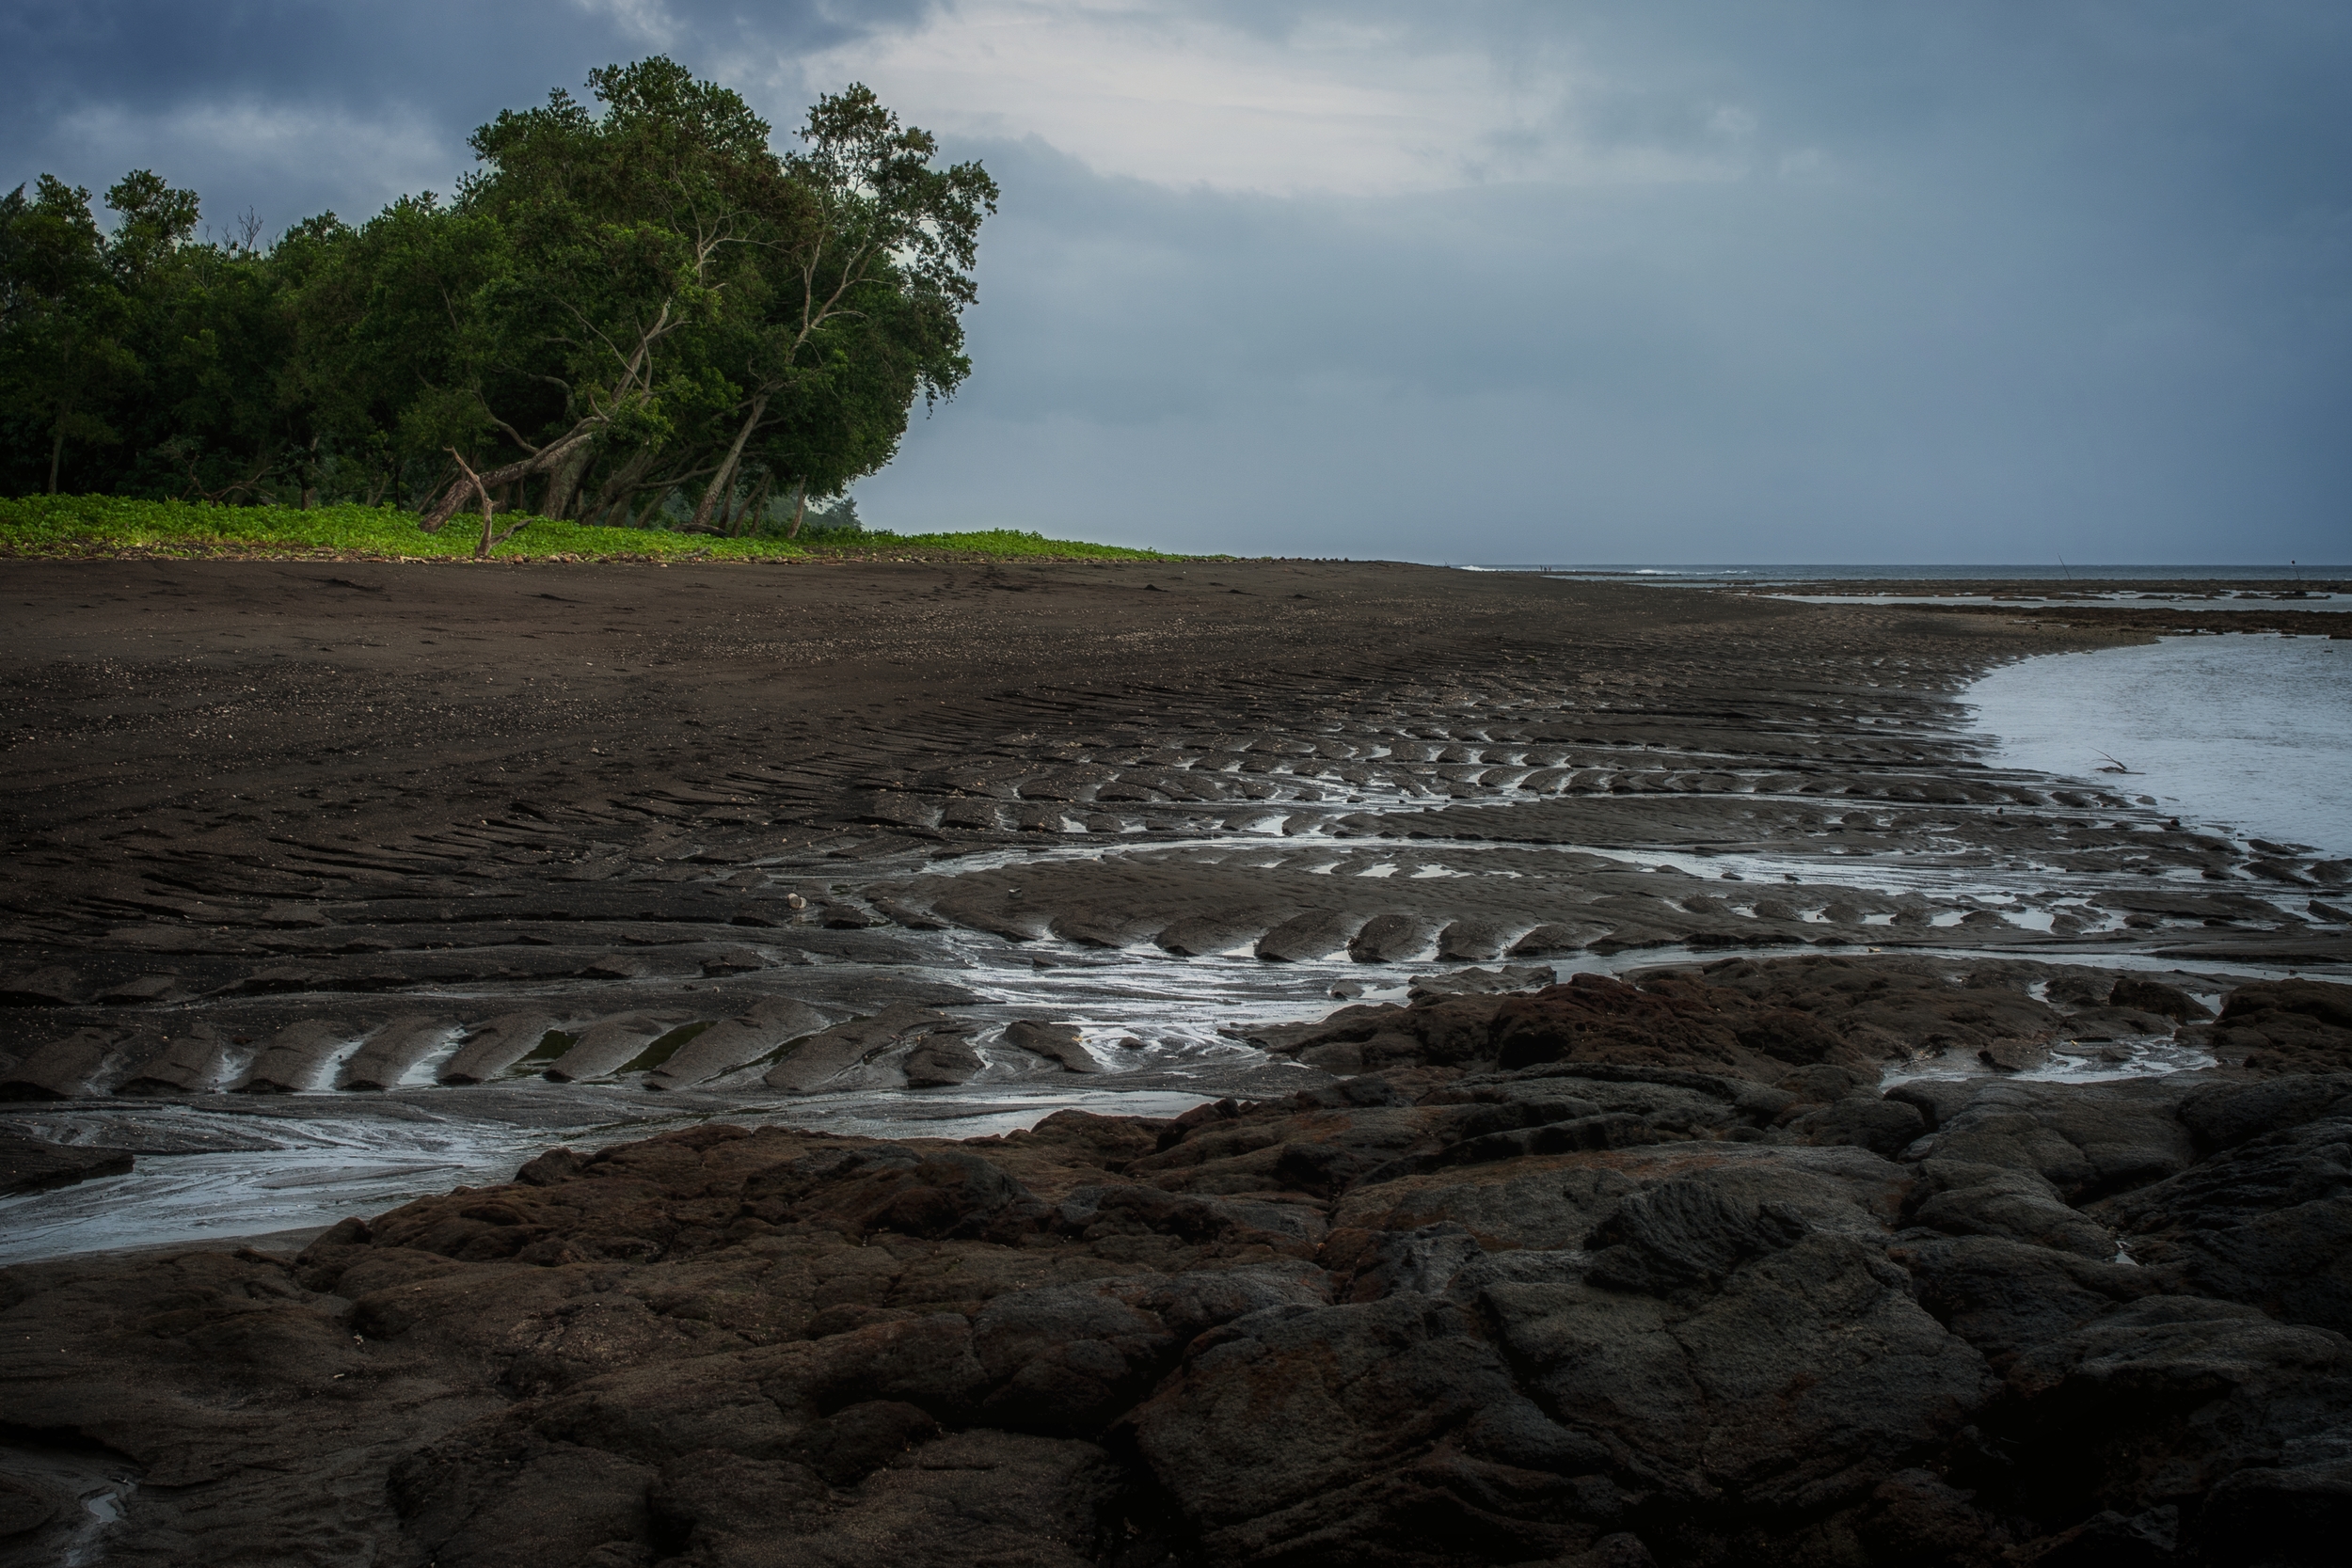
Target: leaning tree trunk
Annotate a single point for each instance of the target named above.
(445, 505)
(724, 480)
(56, 447)
(563, 487)
(749, 521)
(491, 536)
(454, 495)
(620, 490)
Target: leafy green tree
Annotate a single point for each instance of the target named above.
(153, 223)
(842, 418)
(62, 318)
(220, 416)
(633, 299)
(623, 231)
(880, 260)
(384, 337)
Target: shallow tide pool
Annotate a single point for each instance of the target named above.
(2250, 734)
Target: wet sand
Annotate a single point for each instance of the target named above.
(344, 892)
(446, 833)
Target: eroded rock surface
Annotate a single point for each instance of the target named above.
(1670, 1284)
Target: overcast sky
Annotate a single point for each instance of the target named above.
(1631, 281)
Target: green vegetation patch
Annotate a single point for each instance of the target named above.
(113, 526)
(119, 525)
(997, 544)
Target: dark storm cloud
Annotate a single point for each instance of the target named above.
(2041, 280)
(291, 106)
(1918, 283)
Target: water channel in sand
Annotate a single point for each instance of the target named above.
(230, 1166)
(2255, 731)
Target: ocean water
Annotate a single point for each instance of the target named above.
(2252, 734)
(2122, 600)
(2282, 573)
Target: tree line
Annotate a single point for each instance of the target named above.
(634, 312)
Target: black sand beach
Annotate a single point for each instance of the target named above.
(1921, 1162)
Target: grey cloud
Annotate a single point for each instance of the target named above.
(349, 102)
(2069, 279)
(1868, 369)
(1981, 282)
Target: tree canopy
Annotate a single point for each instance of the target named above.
(635, 308)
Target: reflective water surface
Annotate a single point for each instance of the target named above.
(2252, 734)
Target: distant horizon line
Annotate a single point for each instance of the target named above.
(1781, 565)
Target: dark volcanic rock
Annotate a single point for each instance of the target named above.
(2285, 1026)
(1809, 1377)
(1989, 1200)
(1369, 1432)
(1735, 1016)
(1679, 1234)
(1681, 1290)
(53, 986)
(2150, 1406)
(2005, 1296)
(2088, 1140)
(1882, 1126)
(2267, 1223)
(2228, 1115)
(2014, 1055)
(2154, 996)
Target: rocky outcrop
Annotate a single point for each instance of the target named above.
(1748, 1019)
(2285, 1026)
(1660, 1295)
